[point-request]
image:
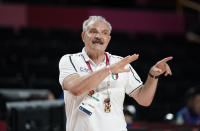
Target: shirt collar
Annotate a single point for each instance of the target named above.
(87, 58)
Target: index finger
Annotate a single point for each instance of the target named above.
(129, 59)
(133, 57)
(166, 59)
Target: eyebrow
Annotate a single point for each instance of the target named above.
(93, 29)
(96, 30)
(105, 31)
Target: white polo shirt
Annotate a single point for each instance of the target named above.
(99, 120)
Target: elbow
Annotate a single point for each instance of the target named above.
(143, 101)
(75, 93)
(145, 104)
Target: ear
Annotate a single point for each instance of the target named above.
(83, 35)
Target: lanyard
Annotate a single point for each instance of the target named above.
(107, 100)
(107, 62)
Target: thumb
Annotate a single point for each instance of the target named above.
(155, 69)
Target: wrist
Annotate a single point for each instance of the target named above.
(152, 76)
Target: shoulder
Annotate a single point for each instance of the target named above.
(114, 57)
(70, 56)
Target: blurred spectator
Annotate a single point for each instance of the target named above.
(190, 114)
(51, 96)
(129, 114)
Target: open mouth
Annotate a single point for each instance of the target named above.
(97, 41)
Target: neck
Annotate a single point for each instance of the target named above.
(96, 57)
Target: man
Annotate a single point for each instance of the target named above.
(190, 113)
(95, 82)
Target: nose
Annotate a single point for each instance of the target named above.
(98, 35)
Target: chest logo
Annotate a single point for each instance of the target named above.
(82, 69)
(115, 76)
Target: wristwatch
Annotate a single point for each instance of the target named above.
(152, 76)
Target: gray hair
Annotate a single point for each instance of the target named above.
(96, 18)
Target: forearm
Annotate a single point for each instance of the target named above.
(78, 85)
(145, 94)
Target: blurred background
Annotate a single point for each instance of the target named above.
(35, 34)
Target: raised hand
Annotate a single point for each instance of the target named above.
(161, 67)
(120, 66)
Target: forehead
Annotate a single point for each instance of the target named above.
(98, 25)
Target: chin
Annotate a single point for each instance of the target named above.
(98, 48)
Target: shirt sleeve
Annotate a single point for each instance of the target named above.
(134, 81)
(66, 68)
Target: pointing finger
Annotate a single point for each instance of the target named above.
(165, 59)
(129, 59)
(133, 57)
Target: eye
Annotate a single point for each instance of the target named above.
(93, 31)
(105, 33)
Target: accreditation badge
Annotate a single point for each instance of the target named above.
(89, 103)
